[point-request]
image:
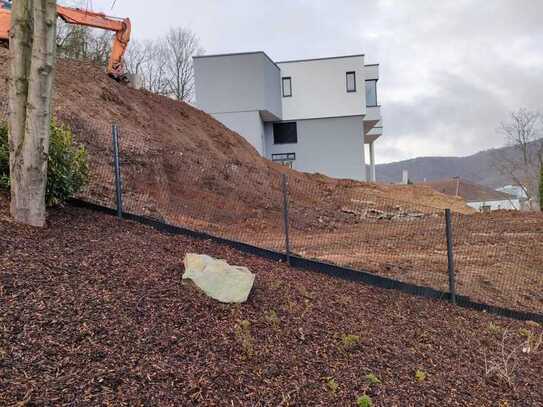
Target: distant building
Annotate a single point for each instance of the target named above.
(514, 190)
(519, 192)
(477, 196)
(314, 115)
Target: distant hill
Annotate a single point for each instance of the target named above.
(477, 168)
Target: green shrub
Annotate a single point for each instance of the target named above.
(332, 385)
(245, 338)
(272, 318)
(67, 168)
(420, 375)
(372, 379)
(364, 401)
(350, 342)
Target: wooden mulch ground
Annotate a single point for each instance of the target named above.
(93, 311)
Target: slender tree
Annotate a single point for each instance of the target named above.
(32, 62)
(181, 44)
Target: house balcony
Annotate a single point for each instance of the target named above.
(373, 134)
(373, 123)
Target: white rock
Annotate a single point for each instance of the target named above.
(218, 279)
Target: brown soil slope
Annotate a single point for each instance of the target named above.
(177, 158)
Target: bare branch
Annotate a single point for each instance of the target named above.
(523, 132)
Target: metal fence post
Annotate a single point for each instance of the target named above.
(285, 217)
(118, 182)
(450, 256)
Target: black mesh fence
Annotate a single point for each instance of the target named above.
(362, 230)
(498, 257)
(225, 200)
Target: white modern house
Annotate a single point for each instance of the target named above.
(315, 115)
(479, 197)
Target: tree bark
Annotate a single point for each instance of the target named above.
(32, 49)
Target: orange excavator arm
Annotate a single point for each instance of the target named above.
(121, 27)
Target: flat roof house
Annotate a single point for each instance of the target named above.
(315, 115)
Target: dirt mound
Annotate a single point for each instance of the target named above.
(177, 159)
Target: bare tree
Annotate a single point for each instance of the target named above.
(181, 45)
(32, 62)
(72, 41)
(155, 74)
(99, 49)
(164, 65)
(80, 42)
(146, 61)
(135, 58)
(523, 132)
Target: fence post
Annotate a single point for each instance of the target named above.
(450, 256)
(118, 182)
(285, 217)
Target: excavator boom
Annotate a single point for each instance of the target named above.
(121, 27)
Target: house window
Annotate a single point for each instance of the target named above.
(287, 86)
(351, 81)
(371, 92)
(285, 133)
(286, 159)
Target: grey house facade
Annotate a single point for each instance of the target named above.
(312, 115)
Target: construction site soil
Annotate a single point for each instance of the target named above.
(182, 167)
(93, 312)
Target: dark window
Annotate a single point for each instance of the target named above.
(351, 81)
(284, 133)
(287, 87)
(371, 92)
(284, 159)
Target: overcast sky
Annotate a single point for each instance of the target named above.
(450, 70)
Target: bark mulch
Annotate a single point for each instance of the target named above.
(93, 311)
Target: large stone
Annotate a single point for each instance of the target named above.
(218, 279)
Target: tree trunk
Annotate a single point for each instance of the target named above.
(32, 49)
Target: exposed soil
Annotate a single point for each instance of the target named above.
(498, 257)
(93, 311)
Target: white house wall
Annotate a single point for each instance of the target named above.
(248, 124)
(495, 205)
(371, 71)
(319, 88)
(238, 83)
(333, 146)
